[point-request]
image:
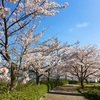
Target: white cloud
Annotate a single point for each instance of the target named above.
(82, 25)
(71, 29)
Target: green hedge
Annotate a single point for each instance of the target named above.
(21, 85)
(3, 87)
(28, 93)
(93, 94)
(62, 82)
(73, 82)
(53, 83)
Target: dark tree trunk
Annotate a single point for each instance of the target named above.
(82, 84)
(86, 81)
(48, 75)
(57, 80)
(37, 78)
(48, 79)
(13, 76)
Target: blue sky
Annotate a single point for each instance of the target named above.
(80, 21)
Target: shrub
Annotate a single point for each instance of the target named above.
(62, 82)
(53, 83)
(23, 85)
(28, 93)
(3, 87)
(94, 94)
(91, 91)
(3, 83)
(31, 82)
(73, 82)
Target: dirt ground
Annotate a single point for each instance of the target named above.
(66, 92)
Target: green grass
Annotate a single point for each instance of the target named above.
(91, 91)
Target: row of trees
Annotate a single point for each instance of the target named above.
(22, 52)
(17, 37)
(53, 60)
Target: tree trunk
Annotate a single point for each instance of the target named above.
(86, 81)
(37, 78)
(13, 76)
(48, 79)
(57, 80)
(82, 84)
(48, 76)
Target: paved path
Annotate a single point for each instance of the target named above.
(66, 92)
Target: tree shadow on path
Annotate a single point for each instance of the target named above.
(65, 92)
(62, 93)
(69, 90)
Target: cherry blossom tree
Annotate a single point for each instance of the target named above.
(4, 76)
(15, 17)
(56, 65)
(84, 62)
(43, 59)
